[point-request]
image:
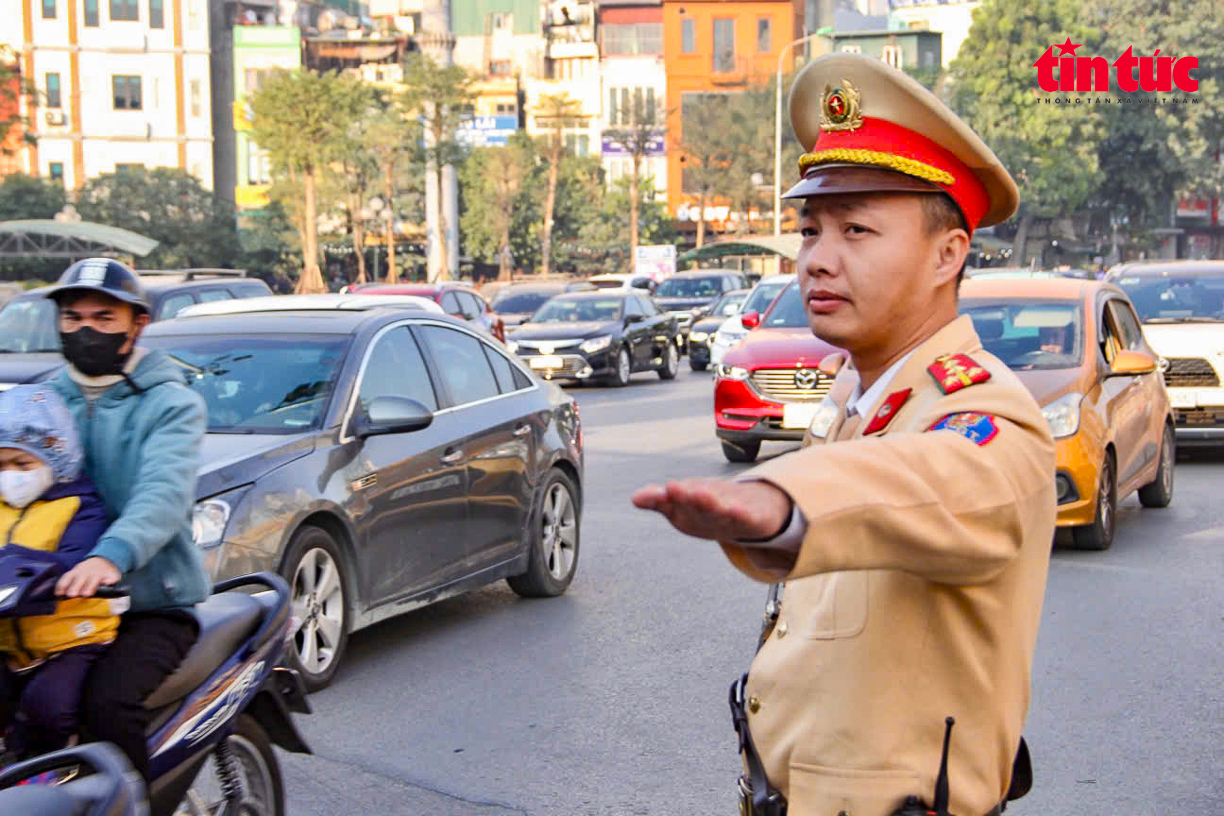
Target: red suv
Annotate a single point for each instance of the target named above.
(460, 301)
(767, 387)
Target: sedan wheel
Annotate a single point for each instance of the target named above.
(1160, 492)
(315, 570)
(1099, 535)
(553, 554)
(623, 369)
(671, 363)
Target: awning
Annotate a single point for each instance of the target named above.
(69, 239)
(785, 245)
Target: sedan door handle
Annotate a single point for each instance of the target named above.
(522, 429)
(452, 456)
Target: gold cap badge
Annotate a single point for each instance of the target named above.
(839, 107)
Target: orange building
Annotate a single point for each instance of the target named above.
(718, 46)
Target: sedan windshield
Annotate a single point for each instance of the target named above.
(728, 304)
(565, 310)
(689, 288)
(763, 295)
(1029, 334)
(1189, 299)
(788, 311)
(259, 383)
(29, 325)
(518, 303)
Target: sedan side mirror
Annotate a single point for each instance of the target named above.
(1129, 363)
(750, 320)
(630, 319)
(388, 415)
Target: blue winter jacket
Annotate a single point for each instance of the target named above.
(142, 451)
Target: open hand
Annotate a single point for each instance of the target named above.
(83, 580)
(719, 509)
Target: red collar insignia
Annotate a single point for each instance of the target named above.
(952, 372)
(887, 411)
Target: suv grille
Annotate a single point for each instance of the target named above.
(1190, 372)
(780, 383)
(1198, 417)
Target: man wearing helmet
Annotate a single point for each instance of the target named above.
(141, 428)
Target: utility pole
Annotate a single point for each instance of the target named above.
(437, 41)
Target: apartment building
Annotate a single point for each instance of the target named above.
(120, 83)
(633, 76)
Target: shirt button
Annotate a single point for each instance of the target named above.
(781, 629)
(754, 704)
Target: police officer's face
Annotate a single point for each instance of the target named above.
(871, 272)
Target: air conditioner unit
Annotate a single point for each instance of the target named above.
(55, 117)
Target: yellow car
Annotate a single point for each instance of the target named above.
(1077, 346)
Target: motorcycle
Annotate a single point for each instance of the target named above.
(99, 781)
(228, 702)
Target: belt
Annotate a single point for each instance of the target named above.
(775, 805)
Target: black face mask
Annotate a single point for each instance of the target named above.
(95, 353)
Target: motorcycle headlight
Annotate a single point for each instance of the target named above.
(1063, 414)
(699, 337)
(596, 344)
(730, 372)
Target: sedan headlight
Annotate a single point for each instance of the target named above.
(730, 372)
(596, 344)
(699, 337)
(208, 522)
(1063, 414)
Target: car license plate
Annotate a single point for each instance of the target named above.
(1183, 399)
(547, 361)
(799, 414)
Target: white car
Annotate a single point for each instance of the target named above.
(1181, 305)
(293, 303)
(732, 330)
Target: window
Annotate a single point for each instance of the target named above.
(173, 305)
(259, 165)
(209, 295)
(724, 45)
(56, 169)
(502, 370)
(613, 107)
(195, 97)
(450, 304)
(467, 374)
(633, 308)
(851, 48)
(651, 108)
(397, 369)
(891, 54)
(48, 9)
(128, 168)
(578, 144)
(127, 92)
(91, 12)
(470, 306)
(649, 308)
(509, 109)
(53, 90)
(253, 78)
(157, 14)
(500, 68)
(1128, 327)
(124, 10)
(764, 34)
(688, 36)
(632, 38)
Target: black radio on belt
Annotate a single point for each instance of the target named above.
(913, 806)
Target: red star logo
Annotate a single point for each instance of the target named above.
(1067, 48)
(835, 105)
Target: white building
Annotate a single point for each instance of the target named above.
(125, 83)
(952, 20)
(634, 84)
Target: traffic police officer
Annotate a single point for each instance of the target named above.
(913, 530)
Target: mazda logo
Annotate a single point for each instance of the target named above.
(805, 378)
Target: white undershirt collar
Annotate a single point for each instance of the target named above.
(860, 402)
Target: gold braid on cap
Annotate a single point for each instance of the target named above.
(911, 167)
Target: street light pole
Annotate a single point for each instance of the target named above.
(777, 202)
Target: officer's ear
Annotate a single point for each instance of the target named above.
(952, 250)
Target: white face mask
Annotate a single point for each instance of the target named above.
(20, 487)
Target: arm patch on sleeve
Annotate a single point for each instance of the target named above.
(977, 428)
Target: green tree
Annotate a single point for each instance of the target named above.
(440, 95)
(301, 118)
(192, 226)
(23, 196)
(1051, 149)
(494, 180)
(358, 170)
(555, 113)
(1154, 153)
(638, 138)
(709, 149)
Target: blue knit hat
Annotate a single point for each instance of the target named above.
(35, 419)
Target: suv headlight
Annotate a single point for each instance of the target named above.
(596, 344)
(730, 372)
(1063, 414)
(699, 337)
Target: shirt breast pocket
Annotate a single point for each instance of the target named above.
(828, 607)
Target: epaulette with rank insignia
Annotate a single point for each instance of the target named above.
(952, 372)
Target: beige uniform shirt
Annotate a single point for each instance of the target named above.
(916, 592)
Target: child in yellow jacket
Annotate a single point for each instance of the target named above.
(49, 510)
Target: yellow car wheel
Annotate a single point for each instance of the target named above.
(1100, 533)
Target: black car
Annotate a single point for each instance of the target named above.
(29, 328)
(604, 335)
(689, 295)
(379, 459)
(702, 332)
(519, 301)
